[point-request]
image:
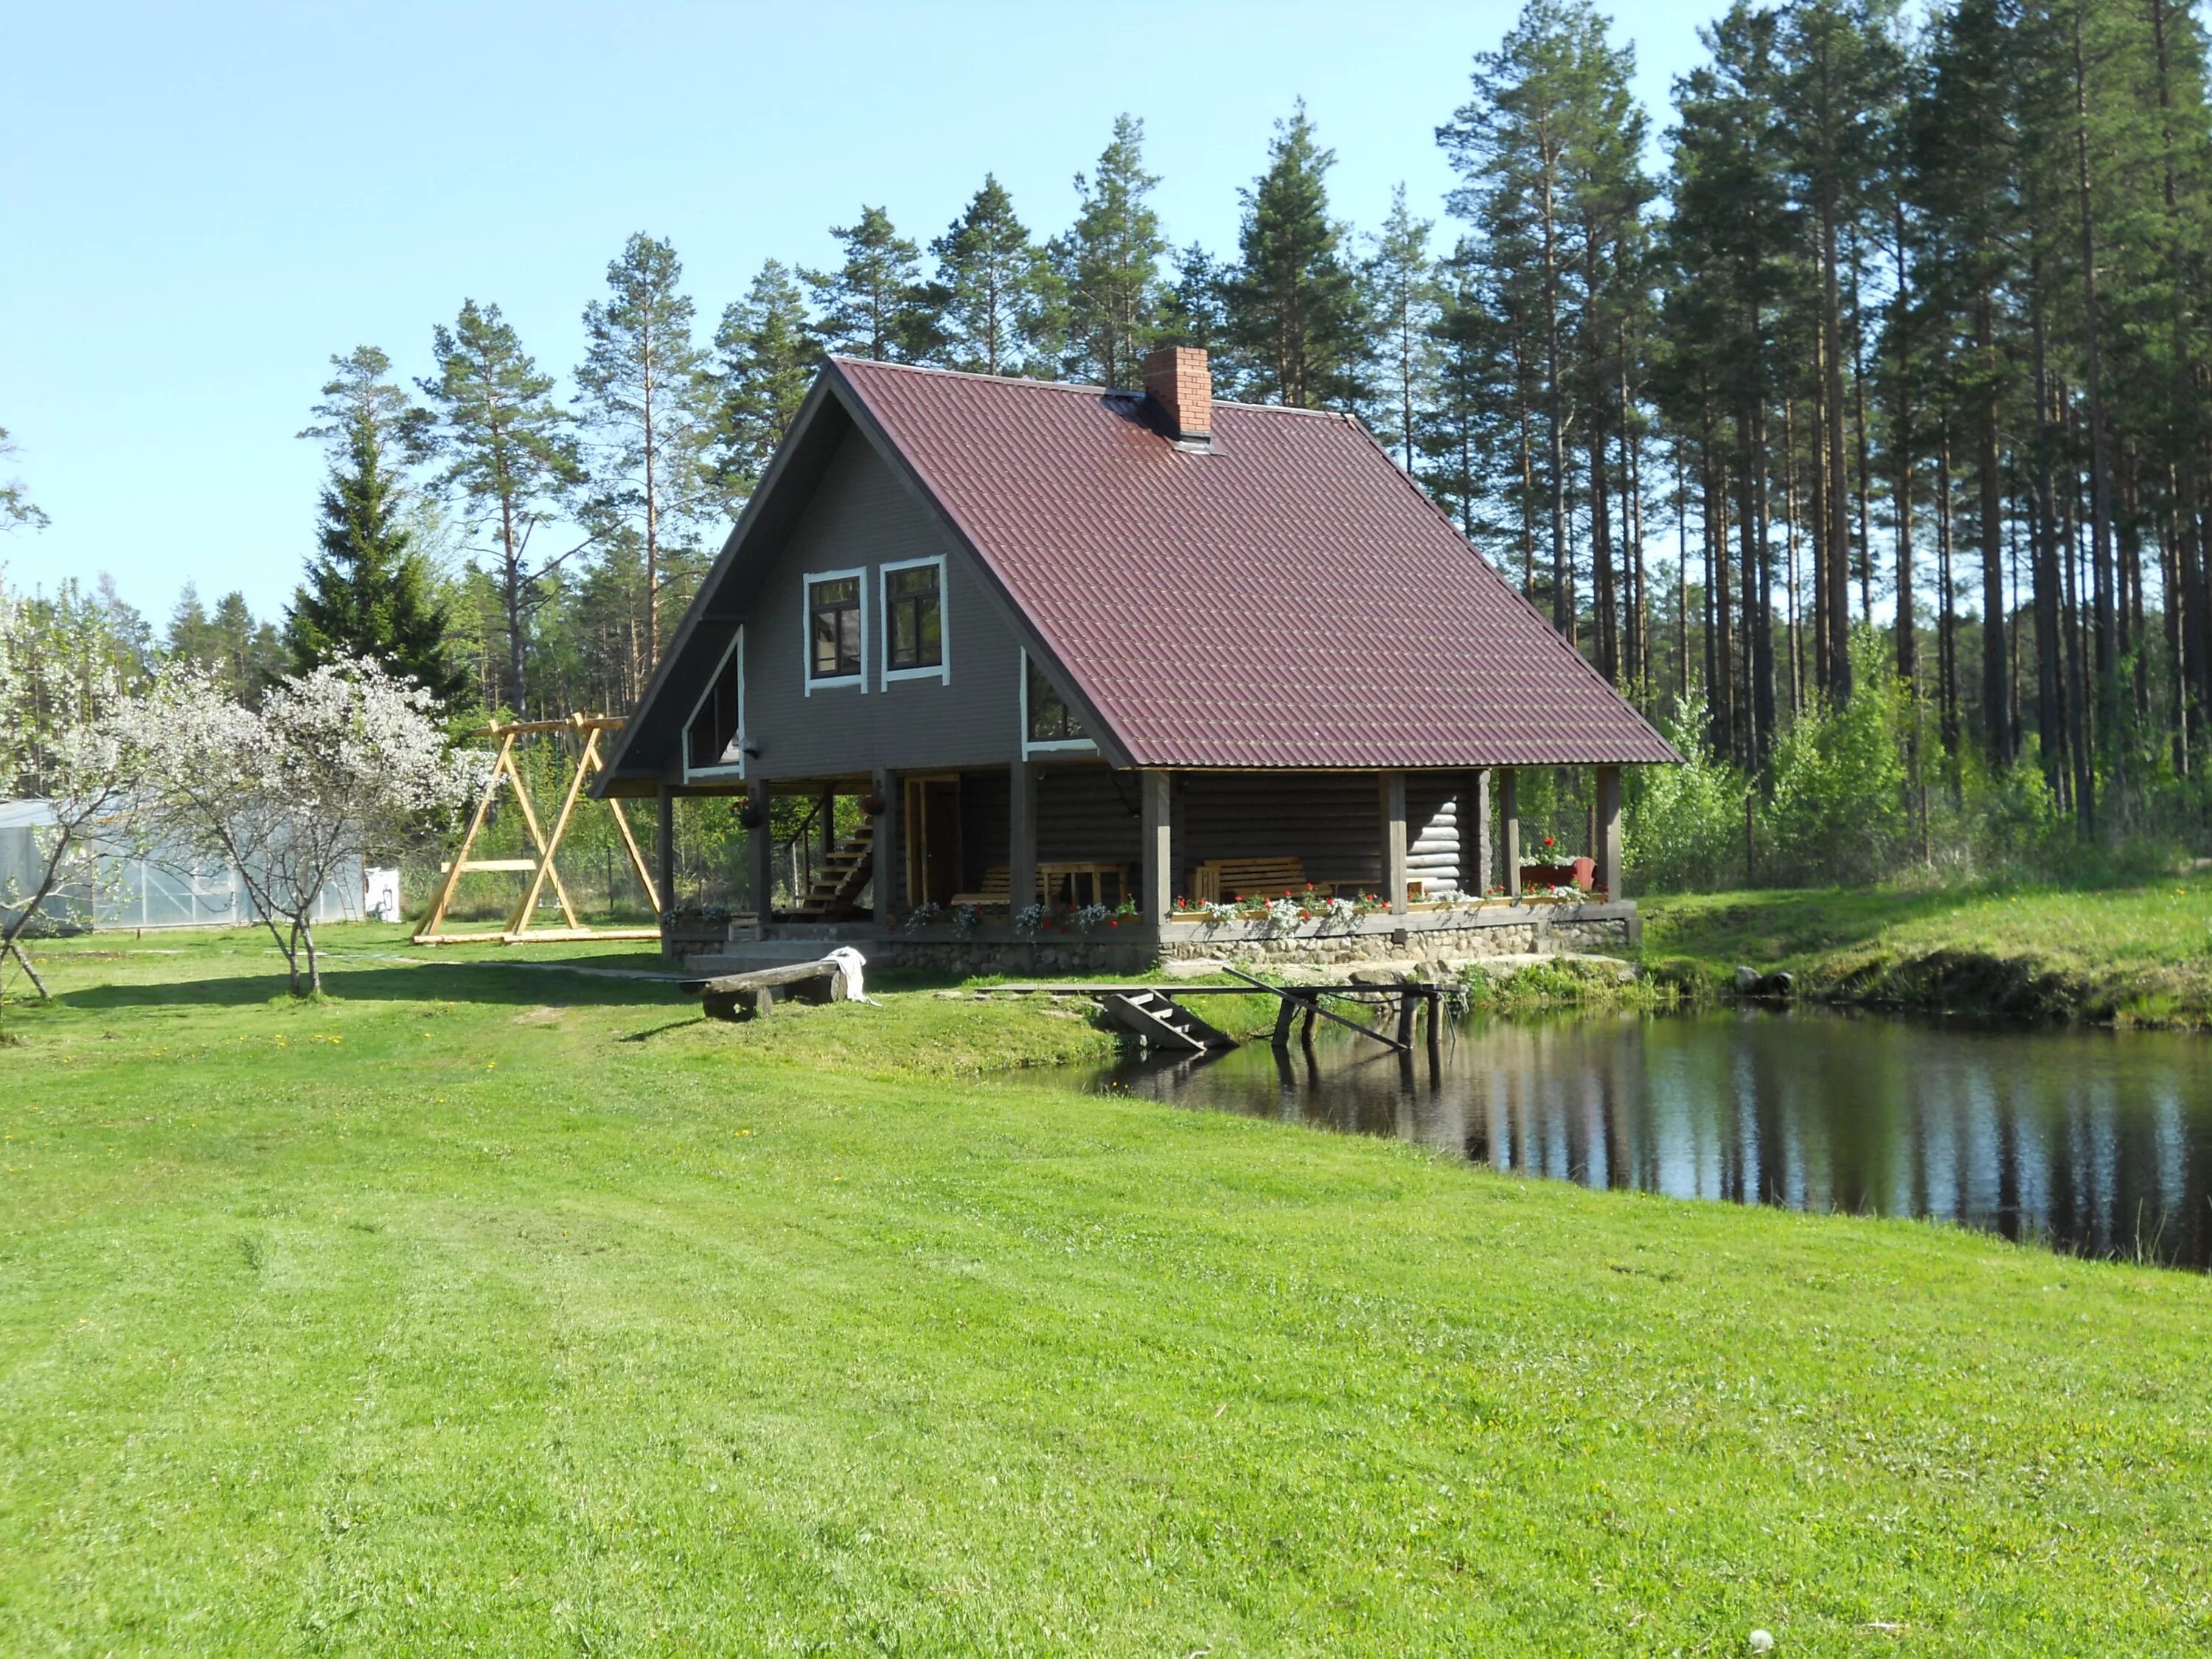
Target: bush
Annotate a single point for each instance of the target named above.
(1685, 826)
(1835, 811)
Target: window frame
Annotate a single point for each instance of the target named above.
(1048, 746)
(734, 652)
(811, 682)
(941, 669)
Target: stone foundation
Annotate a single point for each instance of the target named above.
(1434, 937)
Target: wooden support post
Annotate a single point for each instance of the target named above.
(1607, 850)
(1474, 855)
(1509, 810)
(889, 845)
(1156, 891)
(664, 857)
(829, 815)
(1393, 840)
(760, 849)
(1022, 838)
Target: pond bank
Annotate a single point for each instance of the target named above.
(2138, 955)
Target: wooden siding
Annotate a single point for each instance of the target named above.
(862, 515)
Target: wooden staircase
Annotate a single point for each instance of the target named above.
(1166, 1025)
(838, 882)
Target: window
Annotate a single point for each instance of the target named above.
(715, 740)
(836, 623)
(1047, 722)
(914, 617)
(914, 621)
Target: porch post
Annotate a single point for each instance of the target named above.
(1393, 840)
(760, 847)
(664, 857)
(1022, 838)
(1474, 857)
(1509, 809)
(890, 844)
(1608, 830)
(1156, 886)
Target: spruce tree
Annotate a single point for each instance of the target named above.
(874, 304)
(994, 299)
(647, 401)
(1296, 317)
(1401, 280)
(1109, 262)
(367, 593)
(511, 459)
(765, 360)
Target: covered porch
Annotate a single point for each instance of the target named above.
(1093, 866)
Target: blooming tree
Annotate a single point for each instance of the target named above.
(61, 743)
(343, 764)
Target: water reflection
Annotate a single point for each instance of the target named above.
(2100, 1142)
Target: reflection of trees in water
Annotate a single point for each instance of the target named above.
(2097, 1142)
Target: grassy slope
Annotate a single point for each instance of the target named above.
(496, 1310)
(2141, 954)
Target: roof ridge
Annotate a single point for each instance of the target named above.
(870, 364)
(1090, 387)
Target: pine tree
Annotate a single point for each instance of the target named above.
(368, 594)
(1109, 264)
(1402, 282)
(647, 400)
(765, 362)
(1296, 318)
(993, 299)
(874, 304)
(1193, 310)
(510, 457)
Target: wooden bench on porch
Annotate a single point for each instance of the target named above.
(997, 891)
(1219, 879)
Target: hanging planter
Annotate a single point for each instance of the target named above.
(750, 814)
(872, 804)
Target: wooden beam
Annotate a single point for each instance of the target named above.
(1393, 840)
(889, 845)
(664, 856)
(1155, 886)
(760, 850)
(1475, 855)
(1509, 808)
(1022, 838)
(1608, 830)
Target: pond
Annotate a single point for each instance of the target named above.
(2098, 1142)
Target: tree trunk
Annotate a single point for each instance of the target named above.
(1946, 615)
(1838, 591)
(1997, 726)
(2101, 477)
(2051, 714)
(1901, 438)
(1563, 604)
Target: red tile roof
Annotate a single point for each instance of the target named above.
(1289, 599)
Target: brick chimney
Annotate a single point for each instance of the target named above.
(1182, 391)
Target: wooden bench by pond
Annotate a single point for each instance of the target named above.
(752, 996)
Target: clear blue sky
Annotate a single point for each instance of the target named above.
(200, 205)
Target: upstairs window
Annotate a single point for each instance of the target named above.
(835, 624)
(715, 740)
(913, 619)
(1049, 718)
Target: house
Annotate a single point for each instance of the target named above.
(1145, 659)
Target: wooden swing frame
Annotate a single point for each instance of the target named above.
(540, 869)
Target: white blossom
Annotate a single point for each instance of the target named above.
(345, 762)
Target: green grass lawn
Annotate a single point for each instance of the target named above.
(2139, 954)
(493, 1309)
